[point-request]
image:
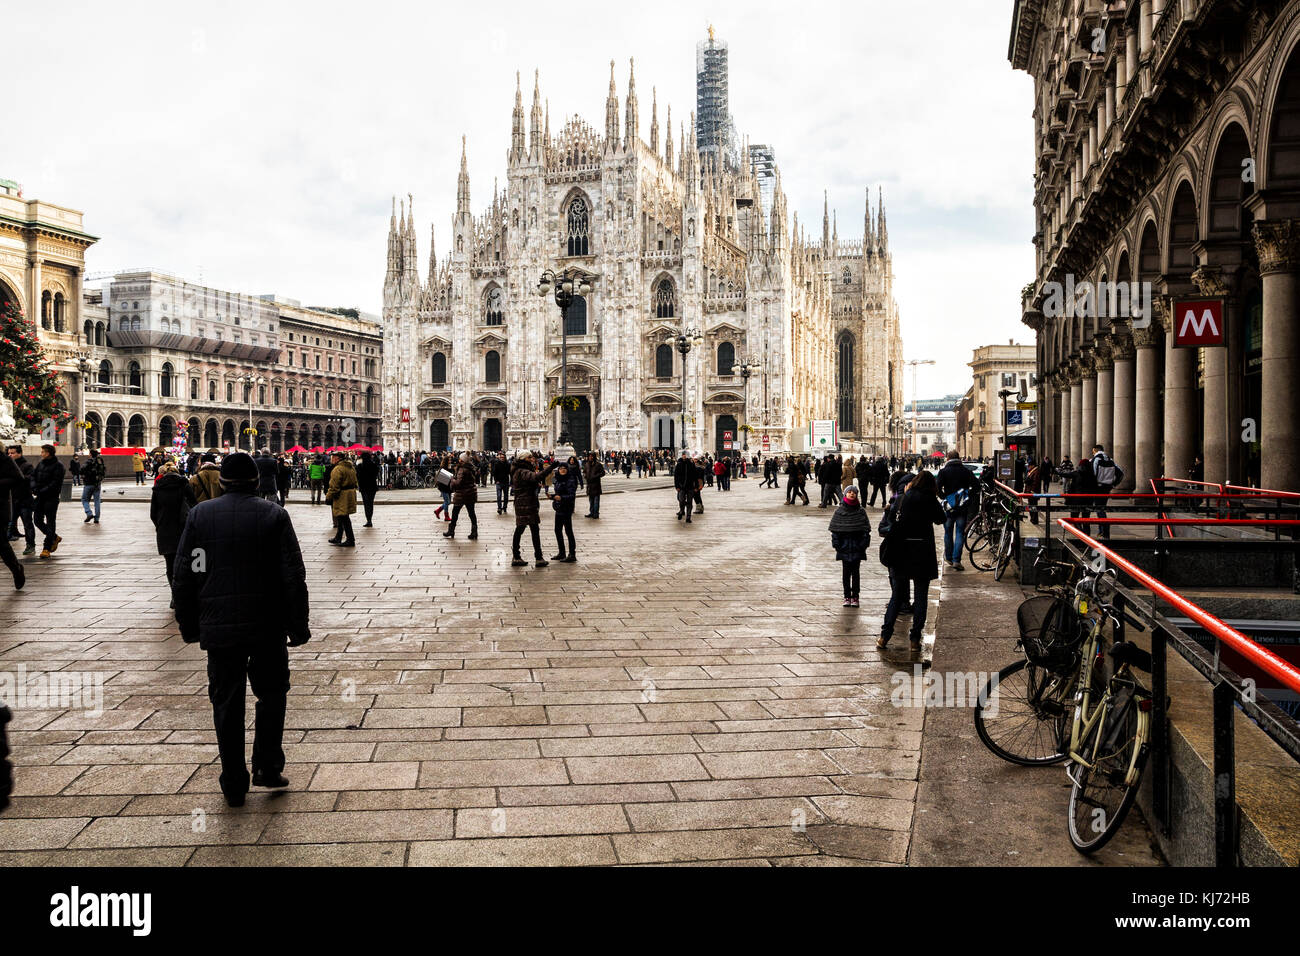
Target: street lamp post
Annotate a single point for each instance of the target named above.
(564, 285)
(249, 381)
(1004, 394)
(686, 339)
(83, 367)
(744, 370)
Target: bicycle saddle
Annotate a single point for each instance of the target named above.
(1126, 652)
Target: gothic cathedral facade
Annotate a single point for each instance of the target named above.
(667, 242)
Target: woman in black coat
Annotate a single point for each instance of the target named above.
(911, 555)
(168, 508)
(850, 537)
(565, 496)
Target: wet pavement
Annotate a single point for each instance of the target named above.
(682, 694)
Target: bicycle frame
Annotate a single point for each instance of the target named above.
(1086, 729)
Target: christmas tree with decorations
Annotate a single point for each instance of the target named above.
(26, 378)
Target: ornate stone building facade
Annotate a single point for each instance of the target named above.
(161, 350)
(668, 241)
(42, 266)
(1167, 140)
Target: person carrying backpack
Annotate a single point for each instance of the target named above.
(1106, 475)
(957, 486)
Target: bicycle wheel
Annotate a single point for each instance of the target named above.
(982, 554)
(1100, 798)
(1022, 715)
(1005, 542)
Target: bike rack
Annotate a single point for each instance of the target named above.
(1228, 690)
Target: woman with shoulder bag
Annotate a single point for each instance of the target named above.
(912, 555)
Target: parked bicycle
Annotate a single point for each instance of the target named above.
(1062, 701)
(991, 536)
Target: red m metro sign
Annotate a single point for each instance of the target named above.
(1198, 323)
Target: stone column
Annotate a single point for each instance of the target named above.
(1088, 401)
(1063, 443)
(1278, 243)
(1147, 418)
(1180, 401)
(1105, 399)
(1124, 451)
(1076, 414)
(1209, 280)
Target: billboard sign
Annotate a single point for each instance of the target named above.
(823, 434)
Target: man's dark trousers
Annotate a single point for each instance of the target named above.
(264, 666)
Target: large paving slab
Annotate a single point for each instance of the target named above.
(683, 694)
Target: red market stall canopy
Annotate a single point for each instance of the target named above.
(294, 450)
(123, 451)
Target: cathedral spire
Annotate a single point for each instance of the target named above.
(392, 241)
(535, 131)
(611, 112)
(462, 182)
(517, 123)
(884, 229)
(433, 254)
(408, 240)
(868, 236)
(631, 126)
(547, 134)
(826, 219)
(654, 120)
(668, 138)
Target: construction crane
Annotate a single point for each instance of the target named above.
(914, 363)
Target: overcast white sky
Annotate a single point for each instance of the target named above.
(257, 145)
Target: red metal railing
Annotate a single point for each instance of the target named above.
(1260, 657)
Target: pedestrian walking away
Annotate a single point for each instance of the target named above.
(240, 591)
(850, 537)
(169, 506)
(910, 552)
(595, 471)
(367, 484)
(684, 480)
(959, 490)
(501, 478)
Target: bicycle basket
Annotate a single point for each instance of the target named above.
(1050, 633)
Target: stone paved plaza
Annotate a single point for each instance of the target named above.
(681, 694)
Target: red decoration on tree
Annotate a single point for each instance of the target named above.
(25, 374)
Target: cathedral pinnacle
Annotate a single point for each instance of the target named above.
(668, 138)
(517, 123)
(462, 183)
(611, 112)
(631, 125)
(654, 120)
(535, 130)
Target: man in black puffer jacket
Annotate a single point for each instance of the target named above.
(240, 590)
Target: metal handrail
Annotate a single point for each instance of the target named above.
(1228, 691)
(1261, 657)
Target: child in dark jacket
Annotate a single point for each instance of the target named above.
(850, 537)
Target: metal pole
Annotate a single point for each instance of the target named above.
(564, 371)
(682, 347)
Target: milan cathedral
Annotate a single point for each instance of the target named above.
(668, 240)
